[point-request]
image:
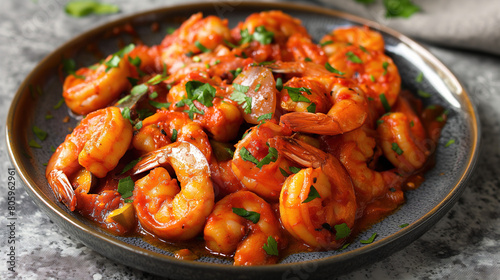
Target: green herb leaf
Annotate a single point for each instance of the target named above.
(419, 78)
(271, 247)
(32, 143)
(313, 193)
(49, 116)
(369, 240)
(256, 88)
(372, 78)
(423, 94)
(363, 49)
(384, 65)
(267, 116)
(252, 216)
(247, 156)
(139, 89)
(202, 92)
(395, 147)
(400, 8)
(159, 105)
(449, 143)
(246, 37)
(329, 42)
(295, 94)
(136, 61)
(138, 125)
(404, 225)
(284, 173)
(311, 108)
(271, 156)
(242, 99)
(341, 231)
(385, 103)
(130, 165)
(279, 84)
(80, 8)
(353, 57)
(174, 135)
(59, 103)
(171, 30)
(201, 47)
(126, 187)
(156, 79)
(263, 36)
(294, 169)
(113, 62)
(236, 72)
(333, 70)
(39, 133)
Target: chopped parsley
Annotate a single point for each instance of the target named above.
(404, 225)
(294, 169)
(267, 116)
(138, 125)
(173, 138)
(136, 61)
(363, 49)
(279, 84)
(59, 104)
(372, 78)
(201, 47)
(39, 133)
(423, 94)
(384, 65)
(369, 240)
(199, 91)
(252, 216)
(159, 105)
(449, 143)
(353, 57)
(263, 36)
(329, 42)
(113, 62)
(333, 70)
(295, 94)
(385, 103)
(400, 8)
(130, 165)
(126, 187)
(271, 156)
(307, 59)
(239, 95)
(395, 147)
(311, 108)
(139, 89)
(81, 8)
(341, 231)
(419, 78)
(247, 156)
(313, 193)
(271, 247)
(32, 143)
(256, 88)
(69, 67)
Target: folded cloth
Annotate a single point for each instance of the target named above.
(469, 24)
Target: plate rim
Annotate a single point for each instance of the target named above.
(435, 214)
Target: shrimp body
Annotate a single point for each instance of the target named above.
(227, 233)
(348, 112)
(354, 150)
(97, 144)
(313, 221)
(99, 87)
(403, 138)
(162, 208)
(267, 179)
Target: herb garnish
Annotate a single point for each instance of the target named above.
(341, 231)
(385, 103)
(333, 70)
(369, 240)
(353, 57)
(271, 247)
(239, 95)
(395, 147)
(126, 187)
(252, 216)
(80, 8)
(313, 193)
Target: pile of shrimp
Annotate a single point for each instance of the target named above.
(253, 138)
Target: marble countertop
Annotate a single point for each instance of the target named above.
(465, 244)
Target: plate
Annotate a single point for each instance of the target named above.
(41, 91)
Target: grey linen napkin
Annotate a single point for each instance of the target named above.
(469, 24)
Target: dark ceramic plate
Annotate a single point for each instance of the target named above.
(424, 207)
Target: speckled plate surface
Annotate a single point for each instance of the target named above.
(425, 206)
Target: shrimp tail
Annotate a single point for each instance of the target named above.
(62, 188)
(301, 153)
(312, 123)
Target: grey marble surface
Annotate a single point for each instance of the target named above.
(465, 244)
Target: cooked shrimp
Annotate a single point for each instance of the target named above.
(260, 87)
(195, 35)
(349, 110)
(162, 208)
(97, 144)
(263, 179)
(355, 149)
(359, 54)
(353, 35)
(219, 116)
(301, 48)
(228, 233)
(314, 219)
(99, 87)
(280, 24)
(403, 138)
